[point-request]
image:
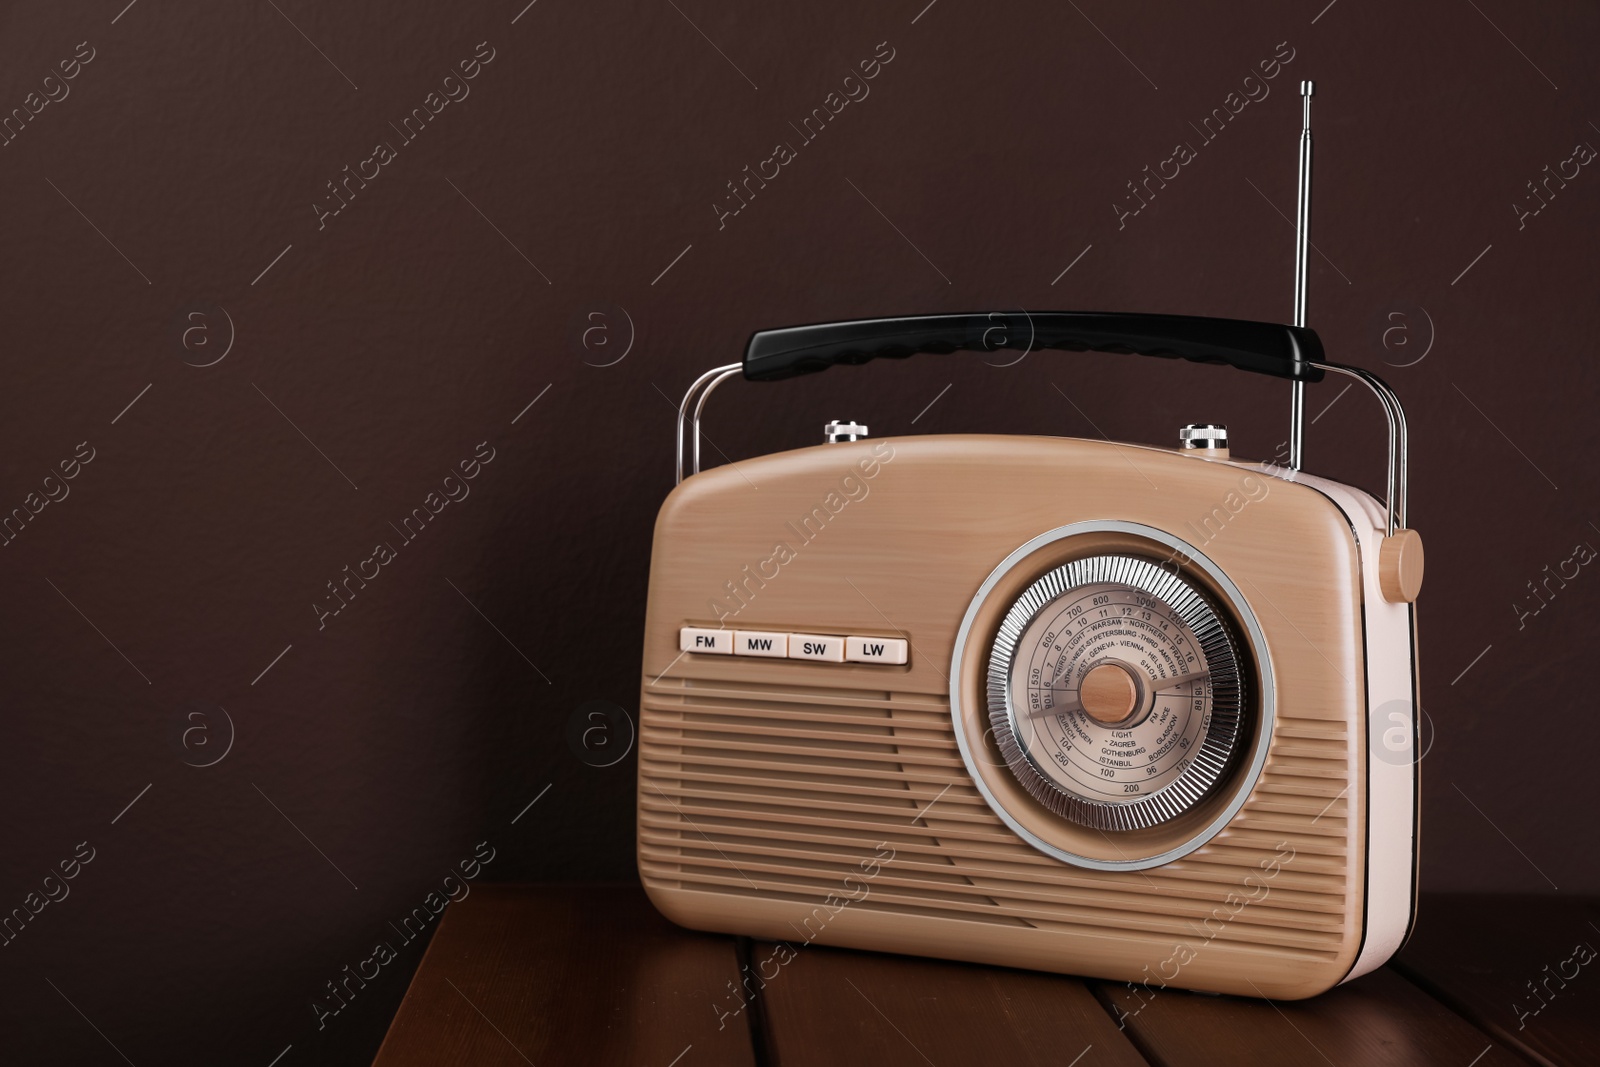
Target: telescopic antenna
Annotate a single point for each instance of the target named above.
(1302, 245)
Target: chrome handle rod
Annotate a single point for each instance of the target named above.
(697, 394)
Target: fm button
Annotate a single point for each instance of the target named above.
(698, 639)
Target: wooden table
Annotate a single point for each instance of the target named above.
(592, 975)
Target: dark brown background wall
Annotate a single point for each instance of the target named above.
(165, 605)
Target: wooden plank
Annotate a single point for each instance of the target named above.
(566, 974)
(1377, 1019)
(1523, 968)
(824, 1007)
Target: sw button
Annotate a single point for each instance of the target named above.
(760, 643)
(875, 650)
(816, 646)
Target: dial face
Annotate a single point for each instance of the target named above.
(1115, 692)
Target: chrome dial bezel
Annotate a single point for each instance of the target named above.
(1219, 738)
(980, 762)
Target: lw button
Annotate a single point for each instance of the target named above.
(816, 646)
(760, 643)
(875, 650)
(697, 639)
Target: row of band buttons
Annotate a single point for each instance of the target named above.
(826, 648)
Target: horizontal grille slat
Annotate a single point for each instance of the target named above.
(1018, 881)
(983, 903)
(1223, 869)
(856, 752)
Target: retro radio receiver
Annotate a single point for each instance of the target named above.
(1129, 712)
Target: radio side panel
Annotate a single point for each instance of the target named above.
(1393, 733)
(821, 801)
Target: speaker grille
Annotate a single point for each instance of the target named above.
(750, 789)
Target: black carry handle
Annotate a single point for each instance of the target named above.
(1262, 347)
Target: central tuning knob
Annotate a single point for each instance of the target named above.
(1108, 693)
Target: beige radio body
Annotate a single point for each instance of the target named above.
(850, 792)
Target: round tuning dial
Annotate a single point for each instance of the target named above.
(1116, 692)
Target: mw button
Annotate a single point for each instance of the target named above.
(760, 643)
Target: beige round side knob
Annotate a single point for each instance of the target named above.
(1108, 693)
(1400, 566)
